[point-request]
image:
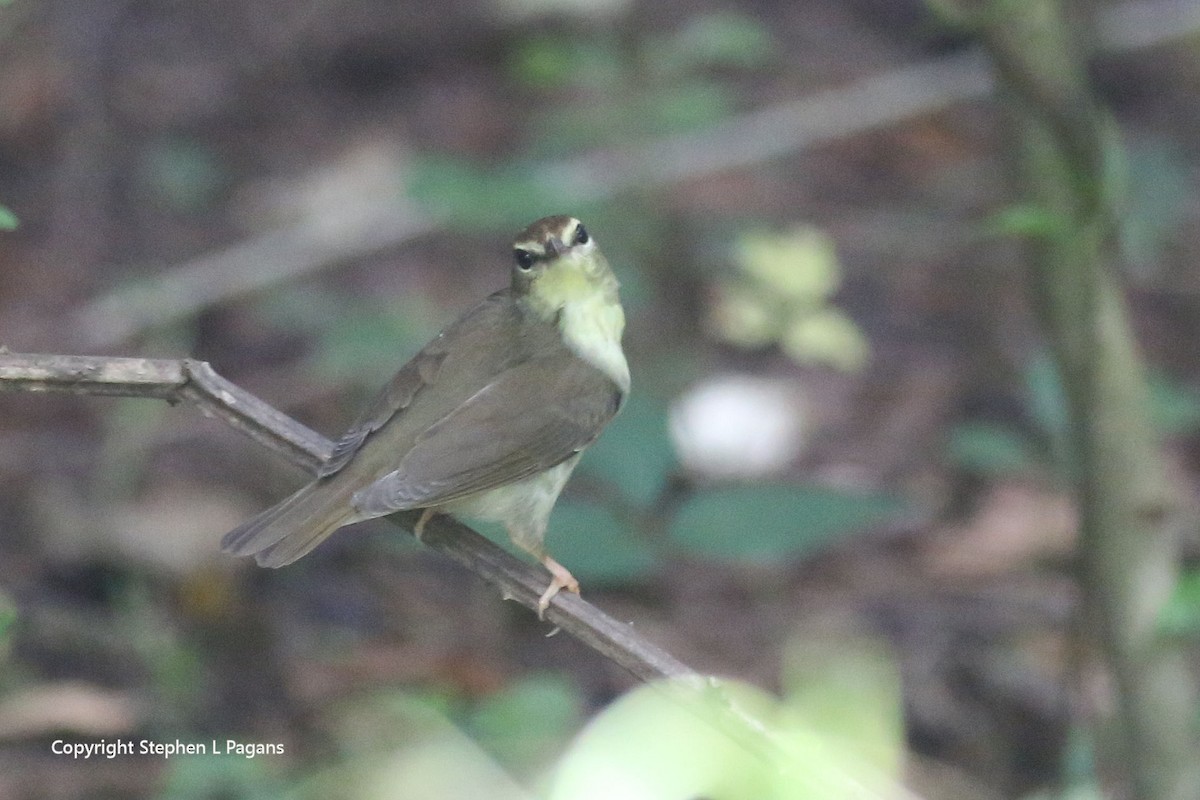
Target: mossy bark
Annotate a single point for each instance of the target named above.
(1068, 156)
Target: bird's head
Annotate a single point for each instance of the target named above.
(557, 262)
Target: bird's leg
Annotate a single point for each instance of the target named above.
(419, 528)
(561, 578)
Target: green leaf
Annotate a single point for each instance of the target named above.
(826, 336)
(589, 540)
(596, 546)
(1181, 615)
(989, 449)
(8, 220)
(372, 343)
(1024, 220)
(1159, 191)
(745, 318)
(717, 39)
(800, 265)
(846, 686)
(768, 523)
(499, 199)
(635, 453)
(8, 617)
(525, 724)
(681, 108)
(552, 62)
(1174, 408)
(1048, 400)
(227, 776)
(650, 744)
(691, 740)
(398, 745)
(183, 173)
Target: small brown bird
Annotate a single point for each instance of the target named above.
(487, 421)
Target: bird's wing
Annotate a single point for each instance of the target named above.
(472, 345)
(529, 418)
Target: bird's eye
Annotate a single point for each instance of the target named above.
(581, 235)
(524, 259)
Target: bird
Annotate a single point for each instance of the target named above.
(487, 421)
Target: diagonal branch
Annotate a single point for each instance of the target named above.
(197, 383)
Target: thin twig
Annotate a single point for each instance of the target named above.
(196, 382)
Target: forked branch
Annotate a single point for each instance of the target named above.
(197, 383)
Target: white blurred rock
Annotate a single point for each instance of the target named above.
(737, 426)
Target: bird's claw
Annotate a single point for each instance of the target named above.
(560, 579)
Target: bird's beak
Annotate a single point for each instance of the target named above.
(555, 247)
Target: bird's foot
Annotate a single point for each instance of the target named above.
(560, 579)
(419, 528)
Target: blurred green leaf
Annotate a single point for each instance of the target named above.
(551, 62)
(631, 115)
(635, 453)
(715, 39)
(1181, 615)
(989, 449)
(846, 687)
(526, 724)
(680, 741)
(595, 545)
(1048, 401)
(799, 265)
(767, 523)
(8, 619)
(783, 298)
(389, 719)
(8, 615)
(588, 539)
(227, 777)
(648, 744)
(688, 106)
(1159, 189)
(741, 317)
(1078, 768)
(184, 173)
(826, 336)
(500, 198)
(400, 746)
(370, 344)
(176, 665)
(1174, 408)
(8, 220)
(1025, 221)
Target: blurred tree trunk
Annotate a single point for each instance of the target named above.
(1068, 151)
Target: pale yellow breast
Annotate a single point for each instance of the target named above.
(582, 292)
(592, 328)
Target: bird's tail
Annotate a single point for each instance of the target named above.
(294, 526)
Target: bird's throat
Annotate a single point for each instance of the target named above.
(592, 328)
(590, 317)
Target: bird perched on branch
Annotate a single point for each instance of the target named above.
(487, 421)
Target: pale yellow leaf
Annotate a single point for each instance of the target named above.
(798, 266)
(826, 337)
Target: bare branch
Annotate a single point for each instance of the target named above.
(196, 382)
